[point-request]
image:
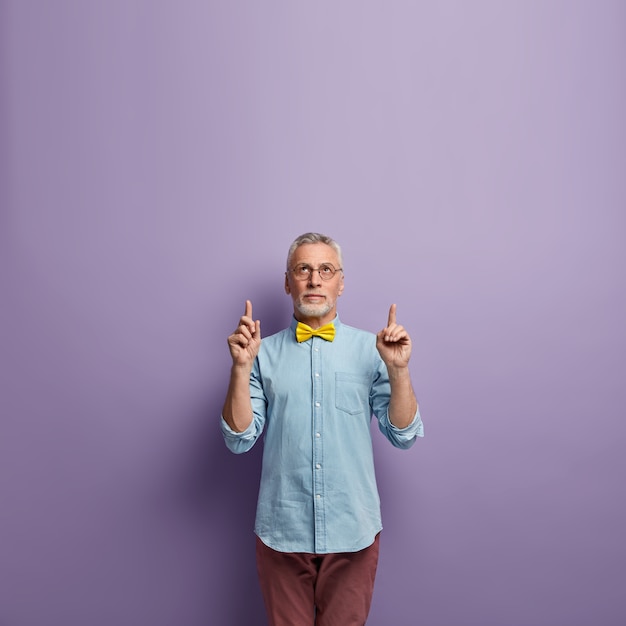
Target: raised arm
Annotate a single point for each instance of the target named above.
(244, 345)
(394, 346)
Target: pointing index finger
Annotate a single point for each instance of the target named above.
(392, 315)
(248, 311)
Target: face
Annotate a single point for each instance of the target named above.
(314, 299)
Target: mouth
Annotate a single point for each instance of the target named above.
(313, 297)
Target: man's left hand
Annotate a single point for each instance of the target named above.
(393, 342)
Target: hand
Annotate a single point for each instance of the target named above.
(245, 342)
(393, 342)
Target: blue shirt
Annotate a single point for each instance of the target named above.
(315, 400)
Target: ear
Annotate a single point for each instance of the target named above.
(287, 288)
(341, 286)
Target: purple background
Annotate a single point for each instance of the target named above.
(156, 161)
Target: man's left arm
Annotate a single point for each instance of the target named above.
(394, 346)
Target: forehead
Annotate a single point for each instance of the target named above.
(314, 253)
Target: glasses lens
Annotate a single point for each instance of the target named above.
(304, 271)
(327, 271)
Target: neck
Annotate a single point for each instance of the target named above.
(315, 322)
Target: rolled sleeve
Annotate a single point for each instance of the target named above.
(380, 397)
(239, 442)
(402, 437)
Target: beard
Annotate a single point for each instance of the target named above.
(313, 310)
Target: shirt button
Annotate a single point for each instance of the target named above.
(318, 435)
(317, 375)
(318, 466)
(317, 404)
(319, 496)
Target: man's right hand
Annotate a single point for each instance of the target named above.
(245, 342)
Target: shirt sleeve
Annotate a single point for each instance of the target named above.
(242, 442)
(379, 396)
(402, 437)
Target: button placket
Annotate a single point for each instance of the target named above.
(318, 445)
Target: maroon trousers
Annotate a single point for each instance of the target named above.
(301, 589)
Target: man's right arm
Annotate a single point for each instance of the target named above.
(237, 411)
(244, 346)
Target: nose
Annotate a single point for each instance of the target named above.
(313, 280)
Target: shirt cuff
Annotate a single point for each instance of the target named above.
(414, 429)
(227, 431)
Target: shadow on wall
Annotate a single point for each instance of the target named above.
(219, 489)
(215, 495)
(222, 490)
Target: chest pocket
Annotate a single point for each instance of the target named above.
(351, 392)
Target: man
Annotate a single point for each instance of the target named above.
(313, 388)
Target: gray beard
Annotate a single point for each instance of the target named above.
(314, 310)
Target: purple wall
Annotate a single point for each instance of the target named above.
(156, 161)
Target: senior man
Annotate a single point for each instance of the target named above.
(313, 388)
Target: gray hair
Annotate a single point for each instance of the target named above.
(314, 238)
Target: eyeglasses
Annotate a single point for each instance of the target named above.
(302, 271)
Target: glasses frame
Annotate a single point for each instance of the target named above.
(312, 270)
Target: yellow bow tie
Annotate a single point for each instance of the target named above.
(304, 332)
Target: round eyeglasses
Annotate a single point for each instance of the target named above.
(303, 271)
